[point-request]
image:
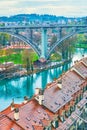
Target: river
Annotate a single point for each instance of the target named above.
(17, 88)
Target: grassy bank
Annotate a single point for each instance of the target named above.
(16, 58)
(81, 45)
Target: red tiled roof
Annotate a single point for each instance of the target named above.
(34, 116)
(8, 109)
(81, 69)
(85, 60)
(38, 127)
(7, 124)
(55, 98)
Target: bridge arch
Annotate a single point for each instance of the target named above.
(26, 40)
(59, 42)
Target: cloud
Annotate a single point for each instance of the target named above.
(63, 10)
(56, 7)
(7, 3)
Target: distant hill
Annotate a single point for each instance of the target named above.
(34, 17)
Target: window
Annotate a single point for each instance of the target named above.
(61, 118)
(47, 128)
(55, 123)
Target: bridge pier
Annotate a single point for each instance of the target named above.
(31, 34)
(60, 33)
(17, 31)
(76, 29)
(44, 44)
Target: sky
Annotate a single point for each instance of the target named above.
(75, 8)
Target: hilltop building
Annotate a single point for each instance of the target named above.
(61, 106)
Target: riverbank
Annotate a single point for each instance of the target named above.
(51, 65)
(84, 46)
(23, 72)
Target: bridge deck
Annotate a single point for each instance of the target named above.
(42, 26)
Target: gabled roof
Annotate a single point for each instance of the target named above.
(33, 115)
(80, 69)
(54, 98)
(84, 61)
(7, 124)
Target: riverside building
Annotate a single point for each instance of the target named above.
(61, 106)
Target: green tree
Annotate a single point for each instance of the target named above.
(28, 57)
(4, 38)
(54, 39)
(81, 39)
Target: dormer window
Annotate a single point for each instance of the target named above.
(55, 123)
(47, 128)
(67, 114)
(61, 117)
(40, 99)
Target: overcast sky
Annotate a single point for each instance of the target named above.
(55, 7)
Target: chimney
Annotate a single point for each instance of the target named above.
(59, 83)
(12, 105)
(39, 96)
(16, 114)
(37, 91)
(41, 99)
(25, 99)
(76, 61)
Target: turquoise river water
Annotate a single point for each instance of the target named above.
(17, 88)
